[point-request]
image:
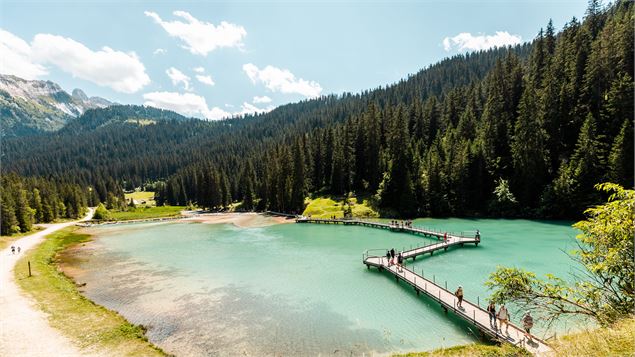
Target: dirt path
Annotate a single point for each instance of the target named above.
(24, 330)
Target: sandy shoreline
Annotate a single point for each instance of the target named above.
(242, 220)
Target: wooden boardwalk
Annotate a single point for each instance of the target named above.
(427, 232)
(469, 311)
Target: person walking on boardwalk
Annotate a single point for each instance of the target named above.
(445, 237)
(528, 323)
(388, 257)
(503, 316)
(400, 262)
(491, 309)
(392, 256)
(459, 295)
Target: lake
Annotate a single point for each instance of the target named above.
(300, 289)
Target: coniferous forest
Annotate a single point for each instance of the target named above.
(524, 131)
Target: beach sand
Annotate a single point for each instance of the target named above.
(243, 220)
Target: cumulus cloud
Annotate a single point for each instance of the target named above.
(118, 70)
(263, 99)
(282, 80)
(184, 103)
(201, 37)
(159, 51)
(178, 77)
(199, 70)
(205, 79)
(190, 104)
(465, 41)
(16, 57)
(248, 108)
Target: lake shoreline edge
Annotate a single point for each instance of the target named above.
(56, 266)
(121, 337)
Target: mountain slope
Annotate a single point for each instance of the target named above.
(31, 107)
(524, 131)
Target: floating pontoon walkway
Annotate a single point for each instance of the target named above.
(470, 312)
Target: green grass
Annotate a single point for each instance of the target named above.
(616, 340)
(147, 212)
(147, 196)
(141, 122)
(472, 350)
(5, 241)
(326, 207)
(93, 328)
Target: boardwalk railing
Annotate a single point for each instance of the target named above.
(472, 313)
(399, 227)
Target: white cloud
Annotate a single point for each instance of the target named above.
(184, 103)
(159, 51)
(118, 70)
(16, 57)
(248, 108)
(282, 80)
(200, 37)
(205, 79)
(465, 41)
(263, 99)
(190, 104)
(178, 77)
(199, 70)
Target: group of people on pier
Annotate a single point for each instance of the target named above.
(390, 256)
(401, 224)
(503, 316)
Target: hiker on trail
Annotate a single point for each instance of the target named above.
(528, 323)
(392, 256)
(388, 257)
(459, 295)
(503, 316)
(12, 250)
(18, 250)
(400, 262)
(491, 309)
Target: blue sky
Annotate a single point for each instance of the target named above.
(279, 52)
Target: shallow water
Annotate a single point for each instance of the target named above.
(299, 289)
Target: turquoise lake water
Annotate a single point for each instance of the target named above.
(301, 289)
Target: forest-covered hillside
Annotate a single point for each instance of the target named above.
(522, 131)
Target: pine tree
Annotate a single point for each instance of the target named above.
(36, 203)
(621, 157)
(298, 180)
(24, 213)
(8, 221)
(529, 151)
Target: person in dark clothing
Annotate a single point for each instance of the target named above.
(491, 309)
(388, 257)
(400, 262)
